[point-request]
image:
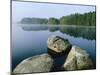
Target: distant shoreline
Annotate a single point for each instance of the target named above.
(56, 25)
(86, 19)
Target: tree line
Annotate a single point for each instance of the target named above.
(88, 19)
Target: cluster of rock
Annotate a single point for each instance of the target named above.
(76, 58)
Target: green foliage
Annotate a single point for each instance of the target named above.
(53, 21)
(34, 21)
(88, 19)
(26, 20)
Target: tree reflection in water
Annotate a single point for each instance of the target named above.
(75, 31)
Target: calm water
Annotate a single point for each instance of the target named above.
(30, 40)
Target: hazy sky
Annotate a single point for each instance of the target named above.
(44, 10)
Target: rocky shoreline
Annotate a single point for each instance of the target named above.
(76, 58)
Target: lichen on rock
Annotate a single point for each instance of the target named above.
(57, 44)
(78, 59)
(38, 63)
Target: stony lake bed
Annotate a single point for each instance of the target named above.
(30, 43)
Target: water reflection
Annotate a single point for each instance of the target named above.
(75, 31)
(30, 40)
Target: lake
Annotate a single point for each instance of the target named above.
(31, 39)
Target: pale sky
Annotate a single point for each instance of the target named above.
(45, 10)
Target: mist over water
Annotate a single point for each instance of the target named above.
(29, 40)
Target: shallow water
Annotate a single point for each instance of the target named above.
(30, 40)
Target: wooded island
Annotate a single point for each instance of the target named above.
(88, 19)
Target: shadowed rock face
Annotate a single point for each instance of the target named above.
(38, 63)
(78, 59)
(58, 45)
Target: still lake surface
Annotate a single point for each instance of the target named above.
(31, 39)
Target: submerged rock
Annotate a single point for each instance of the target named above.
(38, 63)
(58, 45)
(78, 59)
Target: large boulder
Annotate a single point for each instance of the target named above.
(78, 59)
(58, 45)
(38, 63)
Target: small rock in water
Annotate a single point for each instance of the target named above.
(58, 45)
(78, 59)
(38, 63)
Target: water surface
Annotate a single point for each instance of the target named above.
(29, 40)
